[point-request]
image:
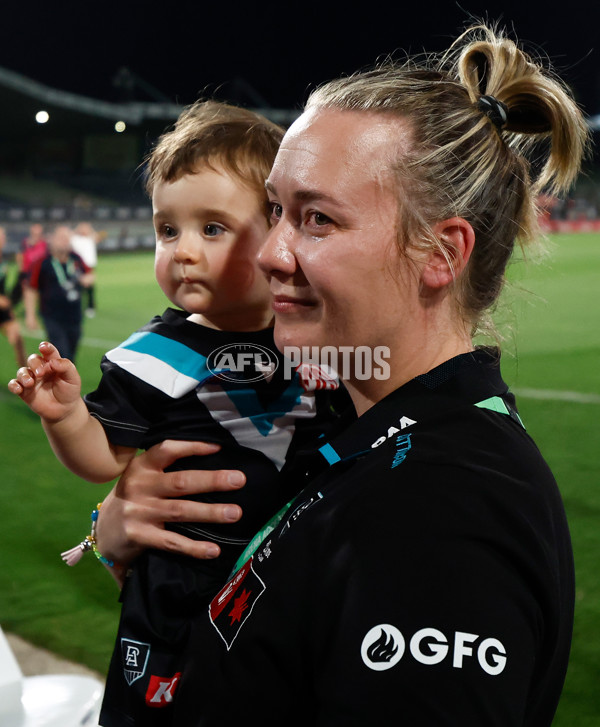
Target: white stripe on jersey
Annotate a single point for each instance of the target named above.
(153, 371)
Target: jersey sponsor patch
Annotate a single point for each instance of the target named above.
(234, 603)
(135, 656)
(161, 690)
(382, 648)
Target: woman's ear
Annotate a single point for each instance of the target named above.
(448, 260)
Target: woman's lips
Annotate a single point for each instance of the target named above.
(291, 304)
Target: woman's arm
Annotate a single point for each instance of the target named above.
(134, 513)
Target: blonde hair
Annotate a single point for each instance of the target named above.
(463, 164)
(213, 133)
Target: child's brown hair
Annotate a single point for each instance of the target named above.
(213, 133)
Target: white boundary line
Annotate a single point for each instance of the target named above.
(575, 397)
(85, 341)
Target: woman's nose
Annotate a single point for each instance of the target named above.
(277, 255)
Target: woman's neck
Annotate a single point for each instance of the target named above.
(403, 365)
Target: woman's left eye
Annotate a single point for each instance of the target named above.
(318, 219)
(212, 230)
(321, 219)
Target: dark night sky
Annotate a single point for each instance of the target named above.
(187, 49)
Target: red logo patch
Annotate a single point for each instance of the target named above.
(234, 603)
(314, 377)
(161, 689)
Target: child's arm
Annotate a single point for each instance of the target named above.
(51, 387)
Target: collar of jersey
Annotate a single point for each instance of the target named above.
(470, 379)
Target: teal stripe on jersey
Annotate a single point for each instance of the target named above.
(495, 403)
(329, 453)
(247, 403)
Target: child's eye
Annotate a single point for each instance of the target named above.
(212, 230)
(167, 231)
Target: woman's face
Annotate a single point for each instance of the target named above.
(332, 260)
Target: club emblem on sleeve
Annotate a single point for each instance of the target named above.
(135, 659)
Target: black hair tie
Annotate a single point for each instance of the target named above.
(496, 111)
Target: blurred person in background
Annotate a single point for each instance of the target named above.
(54, 284)
(84, 242)
(8, 323)
(33, 248)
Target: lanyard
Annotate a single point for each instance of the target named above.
(64, 278)
(254, 544)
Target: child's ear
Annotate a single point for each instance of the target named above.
(447, 262)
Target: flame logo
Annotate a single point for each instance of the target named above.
(383, 649)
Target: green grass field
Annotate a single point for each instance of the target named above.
(552, 360)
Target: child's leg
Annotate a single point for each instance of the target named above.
(159, 600)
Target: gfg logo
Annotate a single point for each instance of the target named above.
(384, 645)
(242, 362)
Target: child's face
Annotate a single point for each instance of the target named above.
(209, 229)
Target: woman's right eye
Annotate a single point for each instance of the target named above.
(276, 210)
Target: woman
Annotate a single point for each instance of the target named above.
(424, 574)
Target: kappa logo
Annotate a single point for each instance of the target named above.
(234, 603)
(135, 659)
(161, 690)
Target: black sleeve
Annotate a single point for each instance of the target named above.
(429, 613)
(121, 405)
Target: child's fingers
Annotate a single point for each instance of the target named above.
(15, 387)
(24, 379)
(64, 368)
(49, 351)
(35, 363)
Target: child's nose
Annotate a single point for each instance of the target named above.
(189, 249)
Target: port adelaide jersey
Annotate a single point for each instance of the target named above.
(424, 576)
(175, 379)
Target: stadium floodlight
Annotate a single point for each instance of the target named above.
(42, 117)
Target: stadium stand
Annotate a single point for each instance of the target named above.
(76, 165)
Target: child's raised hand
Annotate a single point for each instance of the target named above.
(49, 385)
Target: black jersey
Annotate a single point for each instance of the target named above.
(174, 379)
(423, 577)
(165, 382)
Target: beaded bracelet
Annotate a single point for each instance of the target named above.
(74, 555)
